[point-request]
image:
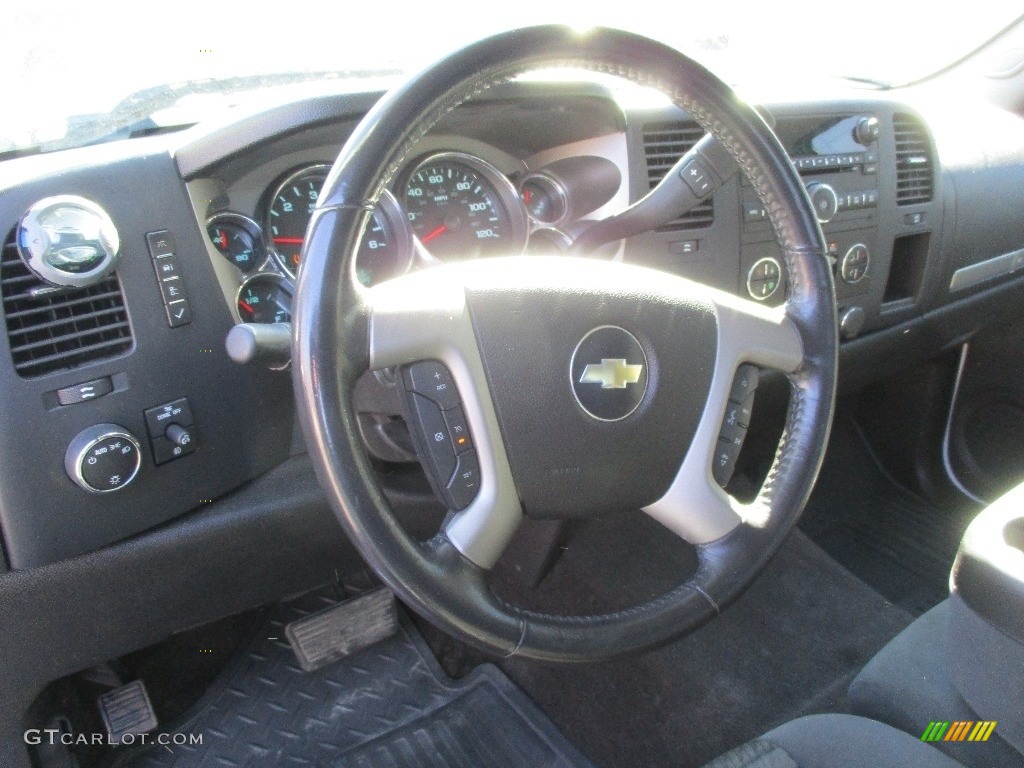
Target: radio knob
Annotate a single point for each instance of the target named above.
(103, 458)
(824, 201)
(851, 322)
(867, 131)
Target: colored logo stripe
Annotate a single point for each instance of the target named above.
(958, 730)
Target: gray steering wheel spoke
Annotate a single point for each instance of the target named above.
(696, 507)
(424, 316)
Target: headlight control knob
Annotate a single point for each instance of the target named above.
(824, 200)
(68, 241)
(103, 458)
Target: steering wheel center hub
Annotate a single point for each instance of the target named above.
(609, 373)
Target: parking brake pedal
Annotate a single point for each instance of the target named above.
(127, 711)
(343, 629)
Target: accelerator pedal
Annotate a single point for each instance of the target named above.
(343, 629)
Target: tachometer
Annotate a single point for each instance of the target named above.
(386, 250)
(288, 212)
(461, 207)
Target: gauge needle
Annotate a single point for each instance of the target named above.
(434, 233)
(288, 240)
(247, 307)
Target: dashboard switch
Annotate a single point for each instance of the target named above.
(160, 244)
(174, 412)
(465, 483)
(179, 313)
(431, 379)
(87, 390)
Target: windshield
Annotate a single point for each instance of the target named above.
(75, 72)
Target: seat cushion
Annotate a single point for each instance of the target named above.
(834, 741)
(907, 685)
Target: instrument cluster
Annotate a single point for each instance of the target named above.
(443, 207)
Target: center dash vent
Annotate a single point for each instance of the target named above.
(914, 172)
(61, 330)
(664, 144)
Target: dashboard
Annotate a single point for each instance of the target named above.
(126, 376)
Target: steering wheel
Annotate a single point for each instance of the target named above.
(513, 332)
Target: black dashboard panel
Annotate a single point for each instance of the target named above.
(243, 416)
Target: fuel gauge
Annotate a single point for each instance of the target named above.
(265, 298)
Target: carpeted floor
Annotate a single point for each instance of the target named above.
(899, 544)
(787, 647)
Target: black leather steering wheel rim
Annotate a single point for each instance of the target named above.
(331, 327)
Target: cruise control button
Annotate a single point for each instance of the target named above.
(458, 429)
(87, 390)
(436, 438)
(744, 383)
(465, 483)
(431, 379)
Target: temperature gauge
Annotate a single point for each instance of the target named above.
(265, 298)
(238, 238)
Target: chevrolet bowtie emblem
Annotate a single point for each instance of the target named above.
(613, 373)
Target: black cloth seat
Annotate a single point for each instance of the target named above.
(834, 741)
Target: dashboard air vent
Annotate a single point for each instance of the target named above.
(664, 144)
(914, 172)
(56, 331)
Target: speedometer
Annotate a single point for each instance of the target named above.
(461, 207)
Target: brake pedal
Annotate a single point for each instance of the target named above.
(127, 711)
(343, 629)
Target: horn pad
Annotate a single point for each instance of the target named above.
(599, 381)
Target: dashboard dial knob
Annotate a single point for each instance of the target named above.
(855, 263)
(103, 458)
(851, 321)
(824, 200)
(68, 241)
(867, 131)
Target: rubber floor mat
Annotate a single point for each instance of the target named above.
(389, 705)
(899, 544)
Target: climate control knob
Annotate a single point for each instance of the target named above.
(824, 200)
(103, 458)
(855, 263)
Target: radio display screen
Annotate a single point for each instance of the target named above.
(815, 136)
